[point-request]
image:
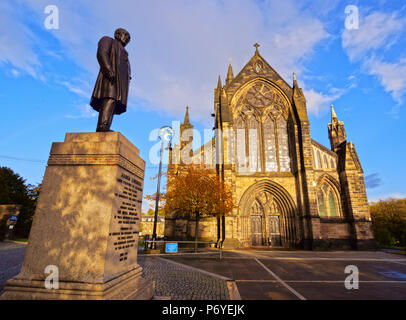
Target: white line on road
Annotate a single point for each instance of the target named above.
(317, 259)
(324, 281)
(297, 294)
(233, 292)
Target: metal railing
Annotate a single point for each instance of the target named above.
(186, 249)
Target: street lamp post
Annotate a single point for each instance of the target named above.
(165, 134)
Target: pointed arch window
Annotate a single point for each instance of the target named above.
(264, 117)
(327, 201)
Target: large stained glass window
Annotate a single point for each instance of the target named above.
(264, 146)
(283, 144)
(271, 163)
(275, 145)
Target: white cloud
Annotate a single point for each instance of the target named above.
(16, 42)
(392, 76)
(85, 111)
(77, 88)
(377, 33)
(318, 102)
(15, 72)
(377, 30)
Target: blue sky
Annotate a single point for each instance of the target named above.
(177, 51)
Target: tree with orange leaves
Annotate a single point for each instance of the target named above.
(195, 191)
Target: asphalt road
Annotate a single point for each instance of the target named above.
(11, 259)
(307, 275)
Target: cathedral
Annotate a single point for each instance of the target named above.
(290, 191)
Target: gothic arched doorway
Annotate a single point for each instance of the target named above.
(267, 215)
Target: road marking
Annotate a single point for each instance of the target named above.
(324, 281)
(264, 256)
(233, 290)
(297, 294)
(314, 259)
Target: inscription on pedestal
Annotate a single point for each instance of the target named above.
(127, 214)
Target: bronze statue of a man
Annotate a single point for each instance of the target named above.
(111, 89)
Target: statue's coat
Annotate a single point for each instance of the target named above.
(113, 58)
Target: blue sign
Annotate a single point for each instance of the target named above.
(13, 218)
(171, 247)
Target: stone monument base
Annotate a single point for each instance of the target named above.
(83, 242)
(129, 286)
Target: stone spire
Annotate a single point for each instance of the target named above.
(230, 74)
(333, 114)
(219, 83)
(336, 131)
(299, 100)
(217, 91)
(295, 81)
(186, 139)
(186, 120)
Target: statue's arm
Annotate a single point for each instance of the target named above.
(103, 56)
(129, 71)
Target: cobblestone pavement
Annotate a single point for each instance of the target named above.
(173, 280)
(11, 258)
(181, 283)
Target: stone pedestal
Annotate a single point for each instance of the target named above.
(86, 223)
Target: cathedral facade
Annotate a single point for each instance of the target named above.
(289, 189)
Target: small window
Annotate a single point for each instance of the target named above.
(325, 162)
(332, 165)
(318, 160)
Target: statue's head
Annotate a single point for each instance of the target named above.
(123, 36)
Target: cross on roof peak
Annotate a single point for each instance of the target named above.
(256, 45)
